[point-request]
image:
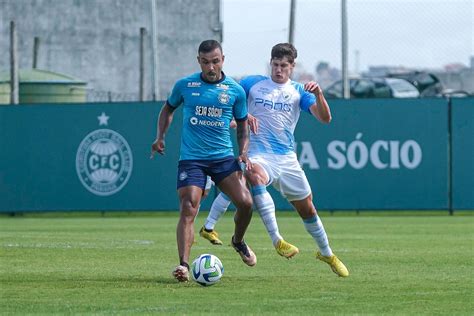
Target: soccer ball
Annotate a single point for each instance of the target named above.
(207, 269)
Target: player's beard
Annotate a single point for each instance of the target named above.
(212, 74)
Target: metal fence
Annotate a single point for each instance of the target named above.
(111, 96)
(383, 36)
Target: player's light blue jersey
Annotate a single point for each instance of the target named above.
(277, 108)
(208, 109)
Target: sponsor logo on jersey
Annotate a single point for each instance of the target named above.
(209, 111)
(270, 105)
(194, 84)
(203, 112)
(211, 123)
(222, 86)
(263, 90)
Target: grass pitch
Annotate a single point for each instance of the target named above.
(117, 264)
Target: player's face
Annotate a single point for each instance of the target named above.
(211, 65)
(281, 69)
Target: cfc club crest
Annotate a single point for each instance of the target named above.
(104, 161)
(224, 98)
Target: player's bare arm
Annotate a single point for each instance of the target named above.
(233, 124)
(253, 123)
(321, 108)
(164, 121)
(243, 141)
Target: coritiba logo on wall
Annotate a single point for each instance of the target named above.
(104, 160)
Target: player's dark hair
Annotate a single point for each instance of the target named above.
(284, 50)
(208, 46)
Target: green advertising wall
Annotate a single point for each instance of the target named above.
(376, 154)
(463, 153)
(46, 148)
(387, 154)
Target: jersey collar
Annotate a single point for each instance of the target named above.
(214, 82)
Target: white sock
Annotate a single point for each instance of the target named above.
(218, 208)
(315, 228)
(266, 209)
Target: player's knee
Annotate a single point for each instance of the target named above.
(305, 207)
(245, 203)
(255, 178)
(189, 208)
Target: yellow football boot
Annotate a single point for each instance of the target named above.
(285, 249)
(336, 265)
(212, 236)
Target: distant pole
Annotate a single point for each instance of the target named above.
(154, 42)
(35, 52)
(142, 65)
(291, 30)
(357, 61)
(344, 46)
(14, 84)
(450, 157)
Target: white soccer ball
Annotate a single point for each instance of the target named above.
(207, 269)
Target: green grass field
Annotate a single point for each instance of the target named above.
(121, 265)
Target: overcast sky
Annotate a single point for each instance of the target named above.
(411, 33)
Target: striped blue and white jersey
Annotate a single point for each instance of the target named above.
(277, 108)
(208, 109)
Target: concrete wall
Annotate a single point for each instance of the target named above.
(98, 40)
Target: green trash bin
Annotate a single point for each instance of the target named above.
(4, 89)
(42, 86)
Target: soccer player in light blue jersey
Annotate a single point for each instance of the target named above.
(210, 100)
(275, 105)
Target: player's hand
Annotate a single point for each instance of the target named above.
(158, 146)
(253, 123)
(313, 87)
(233, 124)
(244, 162)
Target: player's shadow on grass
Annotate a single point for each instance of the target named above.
(165, 280)
(112, 281)
(132, 281)
(147, 280)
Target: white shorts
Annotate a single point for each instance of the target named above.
(209, 183)
(285, 174)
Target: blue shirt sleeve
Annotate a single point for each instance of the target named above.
(249, 81)
(240, 106)
(307, 98)
(176, 97)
